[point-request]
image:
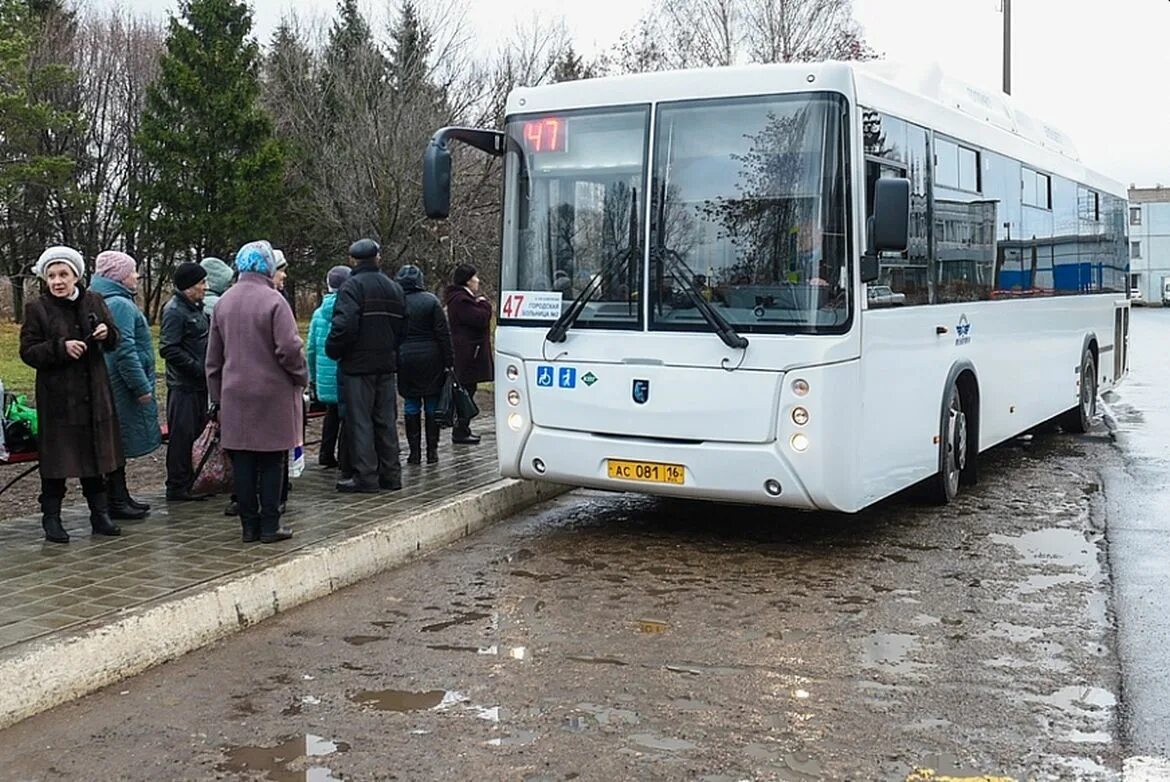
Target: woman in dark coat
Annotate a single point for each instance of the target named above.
(65, 333)
(470, 315)
(423, 359)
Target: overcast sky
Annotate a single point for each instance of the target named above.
(1097, 70)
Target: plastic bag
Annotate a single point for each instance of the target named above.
(296, 461)
(213, 468)
(18, 410)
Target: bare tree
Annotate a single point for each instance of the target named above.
(800, 30)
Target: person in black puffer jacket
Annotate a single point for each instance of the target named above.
(369, 318)
(424, 357)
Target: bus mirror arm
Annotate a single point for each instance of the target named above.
(437, 164)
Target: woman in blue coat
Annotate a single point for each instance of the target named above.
(323, 375)
(132, 376)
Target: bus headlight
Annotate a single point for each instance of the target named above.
(513, 372)
(799, 442)
(800, 387)
(514, 398)
(515, 422)
(799, 416)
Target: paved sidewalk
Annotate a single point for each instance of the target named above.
(46, 587)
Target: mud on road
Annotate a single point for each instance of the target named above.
(620, 637)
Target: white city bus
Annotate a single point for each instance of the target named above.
(684, 274)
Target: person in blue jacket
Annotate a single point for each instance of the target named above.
(132, 375)
(323, 376)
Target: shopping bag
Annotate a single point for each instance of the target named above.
(18, 409)
(445, 411)
(213, 468)
(296, 461)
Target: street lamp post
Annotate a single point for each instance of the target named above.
(1007, 47)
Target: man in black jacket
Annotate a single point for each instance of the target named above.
(369, 318)
(183, 346)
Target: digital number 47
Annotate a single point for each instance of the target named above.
(513, 305)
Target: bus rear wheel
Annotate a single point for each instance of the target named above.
(953, 449)
(1080, 419)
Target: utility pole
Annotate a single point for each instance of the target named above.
(1007, 47)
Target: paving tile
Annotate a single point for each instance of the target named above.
(46, 588)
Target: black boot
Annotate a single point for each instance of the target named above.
(432, 431)
(121, 506)
(99, 516)
(413, 436)
(461, 434)
(51, 520)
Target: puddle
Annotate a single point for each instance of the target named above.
(488, 650)
(652, 626)
(542, 578)
(599, 660)
(362, 640)
(460, 619)
(399, 700)
(889, 650)
(604, 715)
(650, 741)
(517, 739)
(280, 763)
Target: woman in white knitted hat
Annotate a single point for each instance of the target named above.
(65, 333)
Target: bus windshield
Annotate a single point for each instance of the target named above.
(751, 209)
(574, 211)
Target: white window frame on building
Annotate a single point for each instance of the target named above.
(1135, 215)
(1135, 250)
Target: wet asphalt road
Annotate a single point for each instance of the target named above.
(1138, 490)
(618, 637)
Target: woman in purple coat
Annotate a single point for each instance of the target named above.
(470, 316)
(256, 375)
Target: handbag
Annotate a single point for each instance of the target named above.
(213, 469)
(445, 412)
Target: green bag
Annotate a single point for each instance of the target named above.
(19, 410)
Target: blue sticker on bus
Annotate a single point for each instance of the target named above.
(567, 378)
(544, 377)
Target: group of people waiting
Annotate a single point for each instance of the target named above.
(232, 351)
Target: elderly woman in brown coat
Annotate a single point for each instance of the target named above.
(64, 335)
(256, 375)
(470, 316)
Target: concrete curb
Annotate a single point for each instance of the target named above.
(43, 674)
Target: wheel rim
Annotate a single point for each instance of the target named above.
(1088, 390)
(956, 444)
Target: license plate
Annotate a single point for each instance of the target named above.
(647, 472)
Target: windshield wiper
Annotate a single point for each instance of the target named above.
(723, 329)
(560, 328)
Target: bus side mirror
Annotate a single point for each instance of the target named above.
(437, 181)
(870, 268)
(891, 216)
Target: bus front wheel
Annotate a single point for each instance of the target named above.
(953, 449)
(1080, 419)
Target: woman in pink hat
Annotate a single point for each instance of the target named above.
(132, 374)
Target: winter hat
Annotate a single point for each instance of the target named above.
(257, 258)
(364, 249)
(59, 254)
(114, 265)
(188, 275)
(281, 261)
(463, 273)
(337, 277)
(410, 276)
(219, 274)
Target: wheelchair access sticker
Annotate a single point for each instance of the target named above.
(558, 377)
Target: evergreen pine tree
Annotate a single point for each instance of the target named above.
(218, 167)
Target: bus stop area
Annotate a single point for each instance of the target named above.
(78, 617)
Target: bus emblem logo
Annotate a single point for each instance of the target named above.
(641, 391)
(963, 330)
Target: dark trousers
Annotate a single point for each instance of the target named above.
(258, 479)
(54, 488)
(371, 427)
(186, 417)
(463, 425)
(330, 428)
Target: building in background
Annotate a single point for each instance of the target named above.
(1149, 243)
